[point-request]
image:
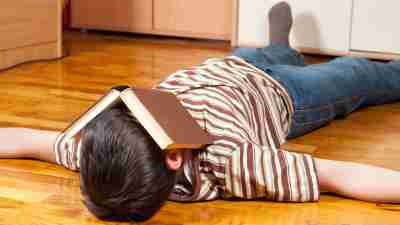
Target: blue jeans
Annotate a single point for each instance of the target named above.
(323, 92)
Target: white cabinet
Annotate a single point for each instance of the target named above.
(317, 24)
(251, 30)
(341, 27)
(375, 26)
(321, 24)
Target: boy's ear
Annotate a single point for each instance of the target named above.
(174, 160)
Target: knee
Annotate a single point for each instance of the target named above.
(351, 60)
(244, 52)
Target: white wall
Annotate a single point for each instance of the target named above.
(318, 24)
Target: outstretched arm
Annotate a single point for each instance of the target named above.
(27, 143)
(359, 181)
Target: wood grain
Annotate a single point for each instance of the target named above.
(101, 14)
(51, 94)
(183, 18)
(29, 30)
(141, 16)
(207, 17)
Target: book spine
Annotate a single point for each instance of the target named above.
(105, 102)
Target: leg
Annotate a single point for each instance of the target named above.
(278, 54)
(324, 92)
(280, 23)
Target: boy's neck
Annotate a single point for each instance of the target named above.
(187, 157)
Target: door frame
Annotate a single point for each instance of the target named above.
(235, 23)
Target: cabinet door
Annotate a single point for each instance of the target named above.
(318, 24)
(22, 27)
(101, 14)
(375, 26)
(141, 16)
(205, 18)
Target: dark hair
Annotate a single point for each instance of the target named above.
(124, 176)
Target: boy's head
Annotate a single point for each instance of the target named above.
(125, 176)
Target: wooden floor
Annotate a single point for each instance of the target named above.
(48, 95)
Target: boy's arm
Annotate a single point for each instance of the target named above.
(359, 181)
(27, 143)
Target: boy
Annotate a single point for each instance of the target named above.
(250, 102)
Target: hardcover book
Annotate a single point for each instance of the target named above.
(159, 112)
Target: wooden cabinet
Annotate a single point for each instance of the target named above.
(190, 18)
(206, 18)
(29, 30)
(141, 18)
(101, 14)
(25, 30)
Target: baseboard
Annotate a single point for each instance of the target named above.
(13, 57)
(333, 52)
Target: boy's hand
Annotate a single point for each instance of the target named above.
(359, 181)
(27, 143)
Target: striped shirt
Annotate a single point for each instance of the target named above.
(248, 113)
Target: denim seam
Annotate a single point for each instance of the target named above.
(311, 123)
(329, 106)
(374, 93)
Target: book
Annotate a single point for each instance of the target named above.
(159, 112)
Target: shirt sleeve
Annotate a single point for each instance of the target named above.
(67, 152)
(255, 171)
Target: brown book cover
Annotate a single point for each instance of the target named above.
(160, 113)
(164, 117)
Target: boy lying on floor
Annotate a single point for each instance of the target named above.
(251, 102)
